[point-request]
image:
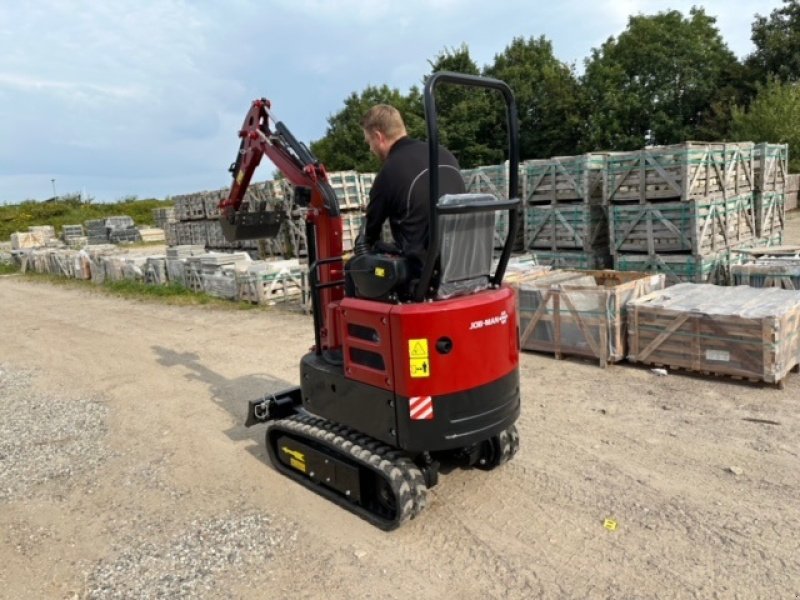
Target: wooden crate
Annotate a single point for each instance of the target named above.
(268, 282)
(771, 167)
(702, 226)
(580, 312)
(494, 180)
(740, 331)
(351, 226)
(770, 213)
(564, 179)
(683, 171)
(578, 226)
(491, 179)
(567, 259)
(367, 179)
(348, 189)
(677, 268)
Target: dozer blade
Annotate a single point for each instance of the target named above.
(239, 225)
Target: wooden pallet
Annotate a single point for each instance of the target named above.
(564, 179)
(578, 226)
(571, 259)
(682, 171)
(738, 331)
(702, 226)
(678, 268)
(761, 275)
(580, 313)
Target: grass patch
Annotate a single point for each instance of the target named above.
(8, 269)
(171, 294)
(70, 210)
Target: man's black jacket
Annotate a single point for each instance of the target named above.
(401, 193)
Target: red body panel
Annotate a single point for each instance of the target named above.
(366, 342)
(482, 329)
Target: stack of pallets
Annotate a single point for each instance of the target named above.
(565, 220)
(681, 209)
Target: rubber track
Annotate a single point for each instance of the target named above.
(404, 478)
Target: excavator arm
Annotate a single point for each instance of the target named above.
(262, 135)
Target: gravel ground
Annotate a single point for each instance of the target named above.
(191, 563)
(45, 437)
(126, 472)
(48, 438)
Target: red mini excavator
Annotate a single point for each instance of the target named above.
(403, 374)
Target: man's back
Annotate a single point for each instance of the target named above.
(401, 193)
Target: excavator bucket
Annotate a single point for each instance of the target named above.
(243, 225)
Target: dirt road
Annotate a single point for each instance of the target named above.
(169, 495)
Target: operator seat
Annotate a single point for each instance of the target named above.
(467, 247)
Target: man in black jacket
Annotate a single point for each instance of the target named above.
(401, 190)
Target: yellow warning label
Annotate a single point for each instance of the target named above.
(380, 272)
(293, 453)
(300, 466)
(420, 367)
(239, 176)
(418, 348)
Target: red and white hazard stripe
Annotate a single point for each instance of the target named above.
(420, 408)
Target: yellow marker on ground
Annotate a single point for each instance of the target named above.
(610, 524)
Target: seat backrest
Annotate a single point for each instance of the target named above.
(466, 249)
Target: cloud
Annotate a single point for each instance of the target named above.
(150, 95)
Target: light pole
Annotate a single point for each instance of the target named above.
(53, 181)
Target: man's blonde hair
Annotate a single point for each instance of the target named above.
(386, 119)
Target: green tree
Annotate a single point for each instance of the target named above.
(343, 147)
(548, 95)
(777, 42)
(773, 116)
(466, 115)
(660, 75)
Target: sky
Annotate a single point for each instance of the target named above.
(145, 97)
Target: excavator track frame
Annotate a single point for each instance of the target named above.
(391, 488)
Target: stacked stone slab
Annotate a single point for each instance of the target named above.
(565, 219)
(101, 231)
(682, 210)
(197, 218)
(37, 236)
